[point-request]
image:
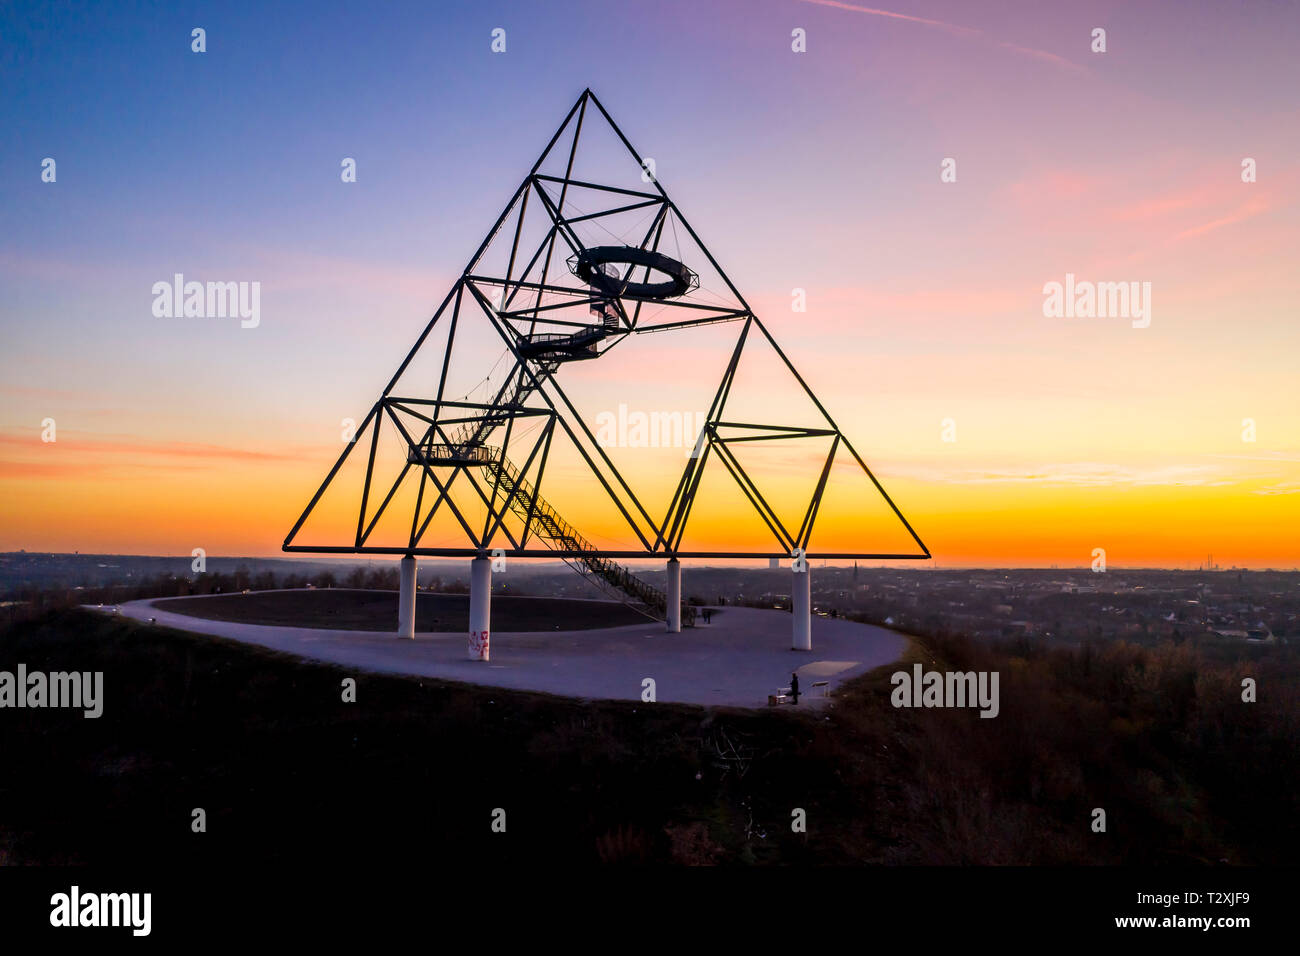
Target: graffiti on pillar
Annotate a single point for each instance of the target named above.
(478, 644)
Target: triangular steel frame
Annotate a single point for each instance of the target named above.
(528, 376)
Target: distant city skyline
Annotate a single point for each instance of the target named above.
(1009, 438)
(540, 565)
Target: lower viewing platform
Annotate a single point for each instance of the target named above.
(435, 453)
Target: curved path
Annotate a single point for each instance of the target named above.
(737, 660)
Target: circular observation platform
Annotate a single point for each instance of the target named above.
(599, 268)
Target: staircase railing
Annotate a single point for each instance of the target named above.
(466, 446)
(525, 502)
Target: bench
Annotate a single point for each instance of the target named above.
(825, 685)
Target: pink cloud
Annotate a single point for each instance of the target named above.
(131, 445)
(1246, 210)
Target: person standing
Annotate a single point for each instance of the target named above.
(794, 688)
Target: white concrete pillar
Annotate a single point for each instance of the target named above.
(480, 609)
(674, 592)
(406, 598)
(801, 602)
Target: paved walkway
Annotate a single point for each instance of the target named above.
(737, 660)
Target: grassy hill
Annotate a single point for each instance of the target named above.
(412, 771)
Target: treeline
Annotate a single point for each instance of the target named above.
(1160, 739)
(1192, 754)
(27, 603)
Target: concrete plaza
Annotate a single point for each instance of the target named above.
(738, 659)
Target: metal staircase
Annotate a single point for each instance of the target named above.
(544, 521)
(541, 518)
(572, 346)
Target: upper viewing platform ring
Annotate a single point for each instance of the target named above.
(587, 264)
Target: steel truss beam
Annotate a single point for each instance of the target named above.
(514, 325)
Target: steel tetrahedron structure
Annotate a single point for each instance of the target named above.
(571, 270)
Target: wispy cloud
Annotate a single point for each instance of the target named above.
(74, 469)
(1246, 210)
(29, 439)
(1278, 456)
(957, 30)
(1080, 474)
(1282, 488)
